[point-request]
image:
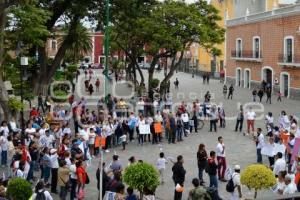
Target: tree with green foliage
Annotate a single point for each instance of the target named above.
(141, 176)
(19, 189)
(173, 26)
(127, 28)
(81, 46)
(23, 25)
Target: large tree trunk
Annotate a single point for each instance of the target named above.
(47, 72)
(3, 92)
(150, 75)
(173, 67)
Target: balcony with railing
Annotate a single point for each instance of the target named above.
(248, 56)
(289, 60)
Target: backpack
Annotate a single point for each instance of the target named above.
(40, 195)
(179, 123)
(230, 185)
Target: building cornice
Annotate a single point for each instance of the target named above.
(268, 15)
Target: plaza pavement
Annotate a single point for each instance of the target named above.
(239, 149)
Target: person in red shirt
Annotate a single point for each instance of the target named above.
(81, 177)
(34, 112)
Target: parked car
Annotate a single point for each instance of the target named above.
(97, 66)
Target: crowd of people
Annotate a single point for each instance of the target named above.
(57, 145)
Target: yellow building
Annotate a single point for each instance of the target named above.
(228, 9)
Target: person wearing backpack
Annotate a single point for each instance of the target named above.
(40, 192)
(234, 184)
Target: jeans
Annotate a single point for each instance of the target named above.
(213, 124)
(179, 133)
(63, 193)
(4, 157)
(259, 157)
(213, 181)
(46, 174)
(73, 188)
(186, 127)
(200, 174)
(222, 166)
(131, 131)
(239, 124)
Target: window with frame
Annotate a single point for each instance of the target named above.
(288, 50)
(239, 48)
(256, 47)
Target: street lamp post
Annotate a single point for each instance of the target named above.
(23, 64)
(106, 46)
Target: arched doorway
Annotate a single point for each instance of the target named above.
(247, 78)
(285, 84)
(238, 76)
(267, 75)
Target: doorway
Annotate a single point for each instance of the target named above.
(247, 79)
(285, 84)
(267, 75)
(238, 77)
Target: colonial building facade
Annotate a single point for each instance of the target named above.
(265, 46)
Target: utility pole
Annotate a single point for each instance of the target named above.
(106, 47)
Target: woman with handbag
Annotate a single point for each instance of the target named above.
(63, 179)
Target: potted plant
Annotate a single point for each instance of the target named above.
(19, 189)
(141, 176)
(258, 177)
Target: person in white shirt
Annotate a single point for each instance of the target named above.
(92, 136)
(284, 121)
(40, 192)
(250, 116)
(4, 148)
(158, 117)
(73, 178)
(141, 121)
(4, 128)
(141, 106)
(259, 144)
(54, 169)
(280, 164)
(290, 187)
(47, 140)
(161, 166)
(236, 178)
(185, 120)
(221, 158)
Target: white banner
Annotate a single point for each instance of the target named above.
(144, 129)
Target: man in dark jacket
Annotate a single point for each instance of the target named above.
(178, 176)
(212, 170)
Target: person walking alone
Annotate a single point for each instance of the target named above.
(254, 94)
(250, 120)
(259, 144)
(260, 94)
(269, 95)
(97, 84)
(40, 103)
(239, 120)
(230, 94)
(225, 91)
(178, 176)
